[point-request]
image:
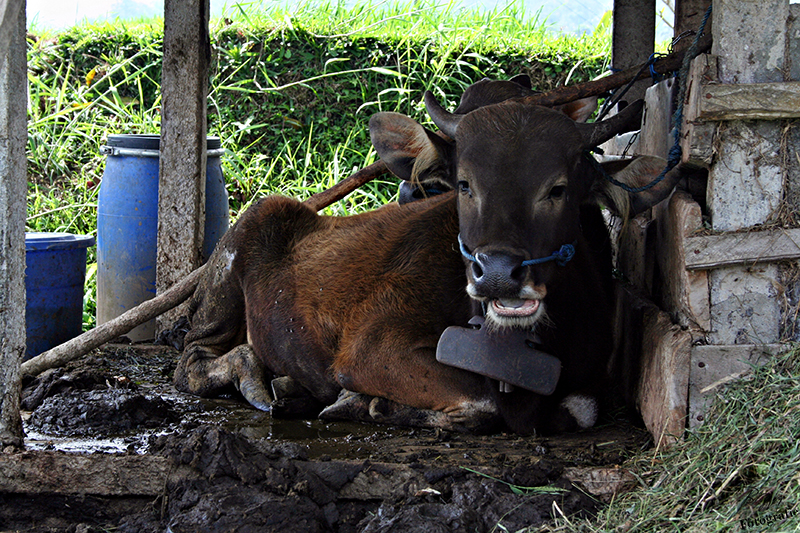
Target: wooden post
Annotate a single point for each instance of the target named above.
(688, 16)
(13, 137)
(633, 39)
(182, 167)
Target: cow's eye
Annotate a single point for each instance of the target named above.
(557, 192)
(463, 186)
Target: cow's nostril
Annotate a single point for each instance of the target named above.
(498, 274)
(477, 271)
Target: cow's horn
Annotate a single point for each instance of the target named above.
(596, 133)
(446, 121)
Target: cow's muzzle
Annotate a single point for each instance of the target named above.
(498, 275)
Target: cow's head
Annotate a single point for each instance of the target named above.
(521, 173)
(480, 94)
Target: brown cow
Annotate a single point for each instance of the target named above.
(358, 303)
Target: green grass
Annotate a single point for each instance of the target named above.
(740, 471)
(290, 94)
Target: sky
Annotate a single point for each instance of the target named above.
(58, 14)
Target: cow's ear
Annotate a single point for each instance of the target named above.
(410, 152)
(579, 110)
(631, 174)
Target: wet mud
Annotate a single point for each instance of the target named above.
(229, 467)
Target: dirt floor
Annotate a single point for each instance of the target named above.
(225, 466)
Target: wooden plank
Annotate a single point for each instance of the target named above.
(697, 137)
(76, 474)
(13, 138)
(664, 379)
(754, 101)
(714, 366)
(632, 257)
(746, 248)
(684, 293)
(655, 138)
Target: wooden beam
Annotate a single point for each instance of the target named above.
(697, 138)
(13, 138)
(746, 248)
(752, 101)
(96, 474)
(688, 16)
(570, 93)
(683, 293)
(664, 379)
(655, 137)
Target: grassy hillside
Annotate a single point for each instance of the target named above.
(290, 93)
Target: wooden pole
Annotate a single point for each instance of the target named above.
(13, 136)
(564, 95)
(182, 162)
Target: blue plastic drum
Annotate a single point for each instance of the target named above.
(127, 223)
(55, 271)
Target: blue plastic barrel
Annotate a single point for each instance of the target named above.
(55, 271)
(127, 222)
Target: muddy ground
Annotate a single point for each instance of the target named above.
(233, 468)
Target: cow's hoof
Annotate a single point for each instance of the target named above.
(348, 406)
(286, 387)
(255, 393)
(292, 400)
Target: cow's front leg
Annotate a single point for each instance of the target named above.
(204, 373)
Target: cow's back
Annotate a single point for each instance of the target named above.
(320, 299)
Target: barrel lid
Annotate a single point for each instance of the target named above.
(144, 141)
(36, 241)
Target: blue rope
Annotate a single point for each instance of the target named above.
(675, 153)
(561, 257)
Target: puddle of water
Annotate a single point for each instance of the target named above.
(319, 438)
